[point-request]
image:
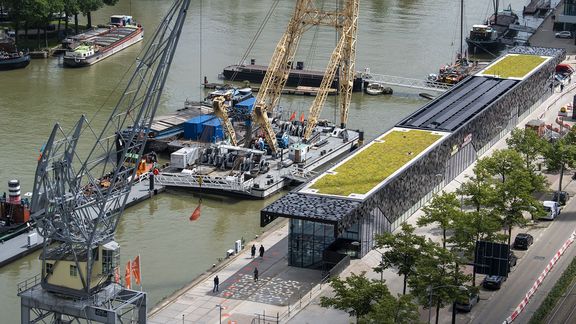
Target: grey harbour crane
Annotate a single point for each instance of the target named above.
(81, 187)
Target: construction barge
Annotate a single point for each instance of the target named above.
(298, 76)
(253, 172)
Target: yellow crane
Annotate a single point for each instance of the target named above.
(220, 110)
(307, 15)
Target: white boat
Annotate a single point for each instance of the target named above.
(377, 89)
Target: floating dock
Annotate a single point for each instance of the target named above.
(297, 77)
(30, 240)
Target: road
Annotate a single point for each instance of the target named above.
(499, 305)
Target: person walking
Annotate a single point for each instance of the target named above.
(216, 283)
(253, 250)
(261, 250)
(255, 274)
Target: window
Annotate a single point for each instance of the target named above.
(107, 261)
(49, 268)
(73, 270)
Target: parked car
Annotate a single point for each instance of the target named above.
(561, 197)
(523, 241)
(493, 282)
(563, 34)
(512, 260)
(466, 303)
(552, 210)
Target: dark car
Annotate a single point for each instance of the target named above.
(493, 282)
(512, 259)
(523, 241)
(465, 303)
(561, 197)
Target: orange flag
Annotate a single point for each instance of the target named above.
(127, 275)
(302, 118)
(136, 270)
(293, 116)
(196, 213)
(117, 275)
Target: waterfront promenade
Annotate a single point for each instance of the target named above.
(287, 292)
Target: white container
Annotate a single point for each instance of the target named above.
(238, 246)
(32, 239)
(183, 157)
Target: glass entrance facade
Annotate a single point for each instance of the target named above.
(307, 242)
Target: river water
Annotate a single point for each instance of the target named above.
(408, 38)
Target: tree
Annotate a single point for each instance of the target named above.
(390, 310)
(402, 251)
(501, 163)
(513, 197)
(87, 6)
(483, 223)
(528, 144)
(443, 209)
(561, 154)
(471, 227)
(439, 279)
(356, 295)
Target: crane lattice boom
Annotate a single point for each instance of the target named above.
(83, 177)
(220, 110)
(306, 15)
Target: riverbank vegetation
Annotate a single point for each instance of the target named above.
(46, 21)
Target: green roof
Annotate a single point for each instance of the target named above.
(375, 163)
(514, 66)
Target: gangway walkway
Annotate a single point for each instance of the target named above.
(406, 82)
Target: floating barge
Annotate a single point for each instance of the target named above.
(253, 172)
(298, 76)
(121, 34)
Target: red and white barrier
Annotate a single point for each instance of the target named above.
(540, 279)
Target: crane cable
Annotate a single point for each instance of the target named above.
(256, 36)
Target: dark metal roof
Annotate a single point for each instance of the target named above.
(455, 108)
(311, 207)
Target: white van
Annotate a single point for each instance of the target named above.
(552, 210)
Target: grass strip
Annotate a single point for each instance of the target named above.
(375, 163)
(555, 294)
(514, 66)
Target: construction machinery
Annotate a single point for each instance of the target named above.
(221, 111)
(307, 15)
(77, 214)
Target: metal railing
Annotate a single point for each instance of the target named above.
(201, 181)
(407, 82)
(29, 283)
(299, 174)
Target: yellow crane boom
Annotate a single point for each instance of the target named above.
(220, 110)
(306, 15)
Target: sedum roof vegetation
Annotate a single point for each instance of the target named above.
(375, 163)
(514, 66)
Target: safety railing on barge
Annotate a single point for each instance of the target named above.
(201, 181)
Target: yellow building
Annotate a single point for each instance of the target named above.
(65, 272)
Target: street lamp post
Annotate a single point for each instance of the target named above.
(220, 309)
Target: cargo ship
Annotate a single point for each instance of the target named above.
(298, 76)
(495, 34)
(14, 212)
(122, 33)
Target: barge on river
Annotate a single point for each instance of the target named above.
(252, 172)
(121, 34)
(298, 76)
